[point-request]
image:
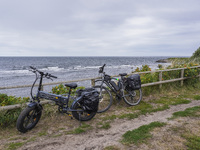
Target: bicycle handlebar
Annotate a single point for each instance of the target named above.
(47, 75)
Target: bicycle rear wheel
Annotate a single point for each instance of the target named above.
(81, 115)
(132, 97)
(105, 100)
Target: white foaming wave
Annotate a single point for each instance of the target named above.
(87, 67)
(92, 67)
(120, 66)
(56, 69)
(14, 72)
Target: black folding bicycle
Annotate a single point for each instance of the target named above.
(128, 88)
(30, 116)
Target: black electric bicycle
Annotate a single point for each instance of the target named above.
(127, 88)
(80, 108)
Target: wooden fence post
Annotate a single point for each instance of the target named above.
(182, 75)
(93, 82)
(199, 73)
(160, 79)
(42, 88)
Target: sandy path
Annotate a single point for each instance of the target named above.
(98, 139)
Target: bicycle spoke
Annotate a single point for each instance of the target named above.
(132, 97)
(26, 122)
(105, 98)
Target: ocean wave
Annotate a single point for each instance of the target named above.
(14, 72)
(85, 67)
(55, 69)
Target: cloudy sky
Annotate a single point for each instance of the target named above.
(99, 27)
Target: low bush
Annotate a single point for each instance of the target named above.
(9, 117)
(61, 89)
(11, 100)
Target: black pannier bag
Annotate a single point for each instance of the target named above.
(90, 99)
(80, 91)
(134, 82)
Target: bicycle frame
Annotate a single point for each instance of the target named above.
(60, 100)
(108, 84)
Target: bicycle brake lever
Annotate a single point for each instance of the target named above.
(49, 78)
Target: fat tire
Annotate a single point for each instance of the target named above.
(138, 101)
(23, 115)
(75, 114)
(100, 110)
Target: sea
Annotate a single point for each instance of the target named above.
(14, 71)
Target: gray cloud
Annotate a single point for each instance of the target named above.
(99, 28)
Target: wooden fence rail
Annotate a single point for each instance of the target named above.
(160, 82)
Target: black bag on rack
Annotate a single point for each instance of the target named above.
(133, 82)
(90, 99)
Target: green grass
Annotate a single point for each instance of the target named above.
(196, 97)
(129, 116)
(32, 139)
(142, 109)
(189, 112)
(171, 100)
(57, 135)
(145, 108)
(14, 146)
(43, 133)
(193, 142)
(83, 128)
(111, 148)
(8, 118)
(141, 134)
(78, 130)
(104, 125)
(109, 117)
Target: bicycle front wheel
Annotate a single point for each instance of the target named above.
(105, 100)
(28, 119)
(132, 97)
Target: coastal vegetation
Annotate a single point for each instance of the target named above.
(11, 100)
(195, 59)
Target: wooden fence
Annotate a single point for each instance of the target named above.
(160, 82)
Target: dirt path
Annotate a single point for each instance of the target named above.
(98, 139)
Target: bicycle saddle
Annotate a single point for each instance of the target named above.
(71, 85)
(123, 74)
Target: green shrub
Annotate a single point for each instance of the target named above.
(9, 117)
(11, 100)
(61, 89)
(196, 54)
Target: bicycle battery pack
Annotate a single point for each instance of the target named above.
(53, 97)
(114, 85)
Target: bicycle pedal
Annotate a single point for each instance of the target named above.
(119, 99)
(70, 115)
